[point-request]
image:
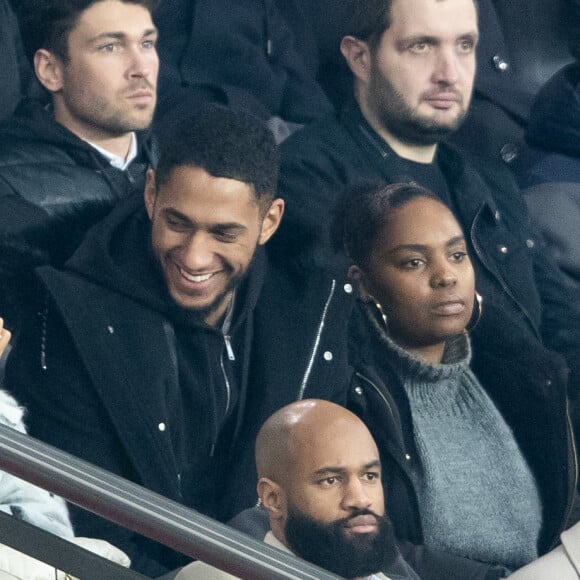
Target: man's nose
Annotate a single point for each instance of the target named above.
(356, 496)
(197, 252)
(446, 66)
(142, 62)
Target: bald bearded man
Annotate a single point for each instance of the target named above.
(320, 482)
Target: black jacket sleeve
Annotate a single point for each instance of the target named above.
(64, 410)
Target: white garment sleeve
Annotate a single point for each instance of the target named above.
(20, 498)
(563, 562)
(19, 566)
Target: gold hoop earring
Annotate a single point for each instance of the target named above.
(477, 312)
(381, 313)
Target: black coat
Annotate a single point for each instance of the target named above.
(45, 170)
(245, 48)
(512, 268)
(527, 384)
(550, 168)
(97, 372)
(15, 71)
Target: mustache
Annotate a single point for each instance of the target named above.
(443, 90)
(142, 83)
(357, 513)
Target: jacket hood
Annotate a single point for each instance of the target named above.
(35, 122)
(50, 243)
(554, 123)
(116, 254)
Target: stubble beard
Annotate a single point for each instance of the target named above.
(202, 313)
(111, 119)
(403, 121)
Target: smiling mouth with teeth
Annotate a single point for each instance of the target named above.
(192, 278)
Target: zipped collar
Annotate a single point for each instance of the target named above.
(316, 345)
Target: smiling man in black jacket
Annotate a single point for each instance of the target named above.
(169, 338)
(98, 61)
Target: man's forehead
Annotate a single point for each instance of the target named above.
(114, 17)
(433, 17)
(193, 192)
(350, 452)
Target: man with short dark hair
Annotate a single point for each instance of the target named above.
(169, 338)
(320, 482)
(97, 60)
(413, 64)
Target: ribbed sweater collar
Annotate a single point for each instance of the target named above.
(456, 357)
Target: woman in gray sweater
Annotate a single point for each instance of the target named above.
(476, 479)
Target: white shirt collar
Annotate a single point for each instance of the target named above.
(116, 160)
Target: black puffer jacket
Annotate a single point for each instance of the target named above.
(45, 169)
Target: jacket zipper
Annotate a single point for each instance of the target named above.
(227, 382)
(379, 393)
(405, 453)
(316, 342)
(229, 349)
(569, 501)
(231, 356)
(385, 400)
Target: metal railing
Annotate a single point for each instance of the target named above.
(146, 513)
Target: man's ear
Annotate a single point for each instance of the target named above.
(150, 193)
(273, 498)
(360, 280)
(358, 57)
(271, 220)
(49, 70)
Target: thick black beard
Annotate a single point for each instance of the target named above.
(327, 546)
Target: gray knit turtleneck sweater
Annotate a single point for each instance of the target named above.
(477, 495)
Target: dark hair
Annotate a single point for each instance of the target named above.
(225, 143)
(361, 212)
(48, 23)
(368, 19)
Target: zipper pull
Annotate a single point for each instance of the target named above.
(229, 348)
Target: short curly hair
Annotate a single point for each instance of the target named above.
(225, 143)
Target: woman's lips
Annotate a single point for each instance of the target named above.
(450, 308)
